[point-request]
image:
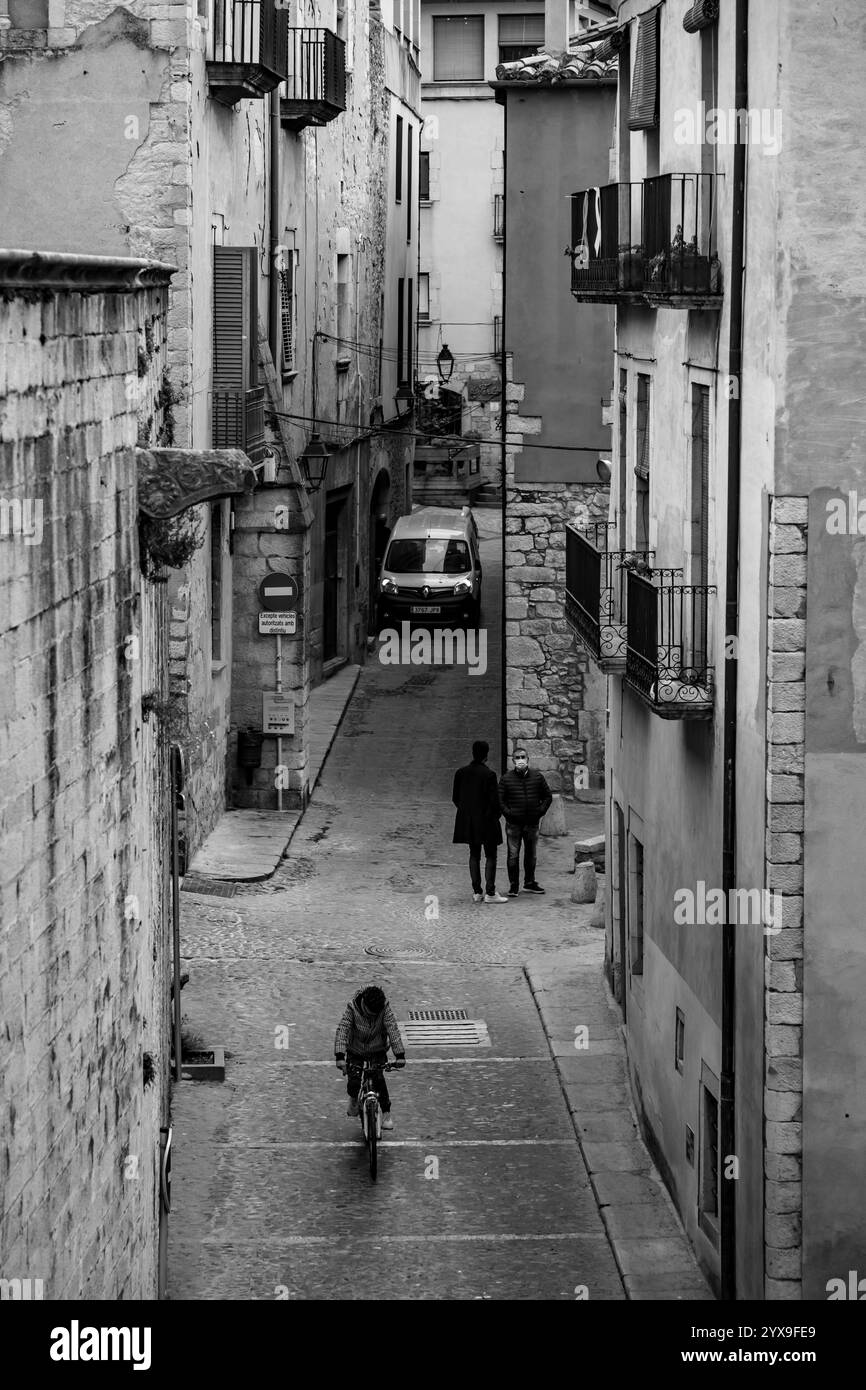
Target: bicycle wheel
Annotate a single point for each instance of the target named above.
(372, 1140)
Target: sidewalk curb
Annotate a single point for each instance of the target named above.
(336, 729)
(616, 1241)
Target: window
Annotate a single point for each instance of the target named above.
(424, 176)
(708, 1170)
(401, 310)
(642, 462)
(399, 161)
(344, 293)
(497, 335)
(235, 344)
(458, 48)
(635, 904)
(424, 298)
(433, 556)
(498, 216)
(288, 315)
(410, 329)
(410, 132)
(680, 1041)
(520, 36)
(216, 581)
(622, 518)
(700, 507)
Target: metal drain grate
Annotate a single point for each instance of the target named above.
(211, 887)
(458, 1032)
(437, 1015)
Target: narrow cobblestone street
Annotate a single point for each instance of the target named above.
(271, 1193)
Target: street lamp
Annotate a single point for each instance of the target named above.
(445, 364)
(314, 462)
(404, 399)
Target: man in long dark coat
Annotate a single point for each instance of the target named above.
(476, 796)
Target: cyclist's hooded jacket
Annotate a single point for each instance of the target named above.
(366, 1034)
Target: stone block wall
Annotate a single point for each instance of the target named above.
(783, 991)
(555, 698)
(83, 950)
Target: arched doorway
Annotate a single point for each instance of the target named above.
(379, 531)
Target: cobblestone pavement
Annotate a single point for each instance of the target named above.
(484, 1192)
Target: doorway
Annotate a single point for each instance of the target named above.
(379, 532)
(332, 635)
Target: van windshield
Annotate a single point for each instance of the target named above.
(431, 556)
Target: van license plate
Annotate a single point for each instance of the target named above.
(425, 609)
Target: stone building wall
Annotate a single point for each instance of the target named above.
(555, 698)
(83, 802)
(783, 1015)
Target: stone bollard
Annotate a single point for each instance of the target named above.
(597, 918)
(554, 821)
(585, 883)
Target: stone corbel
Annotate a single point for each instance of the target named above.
(171, 480)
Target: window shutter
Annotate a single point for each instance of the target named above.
(644, 110)
(642, 461)
(231, 293)
(287, 306)
(521, 29)
(700, 481)
(458, 48)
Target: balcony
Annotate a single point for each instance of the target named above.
(667, 655)
(247, 49)
(647, 243)
(596, 593)
(239, 421)
(314, 92)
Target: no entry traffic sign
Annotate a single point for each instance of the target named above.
(278, 593)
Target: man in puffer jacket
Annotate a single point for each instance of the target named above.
(525, 798)
(367, 1027)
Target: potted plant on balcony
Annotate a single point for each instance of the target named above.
(690, 271)
(630, 267)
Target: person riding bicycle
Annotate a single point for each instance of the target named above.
(364, 1033)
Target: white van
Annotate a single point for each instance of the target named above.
(431, 573)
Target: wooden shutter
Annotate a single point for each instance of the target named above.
(700, 499)
(410, 330)
(409, 155)
(401, 309)
(424, 176)
(235, 341)
(642, 460)
(623, 459)
(644, 109)
(287, 314)
(398, 193)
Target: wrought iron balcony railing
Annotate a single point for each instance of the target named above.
(680, 217)
(314, 92)
(667, 658)
(238, 421)
(247, 52)
(596, 592)
(651, 242)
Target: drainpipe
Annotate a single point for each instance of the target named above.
(274, 232)
(503, 713)
(727, 1128)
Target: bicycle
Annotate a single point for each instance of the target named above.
(370, 1111)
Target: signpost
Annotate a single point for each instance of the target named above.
(278, 594)
(278, 624)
